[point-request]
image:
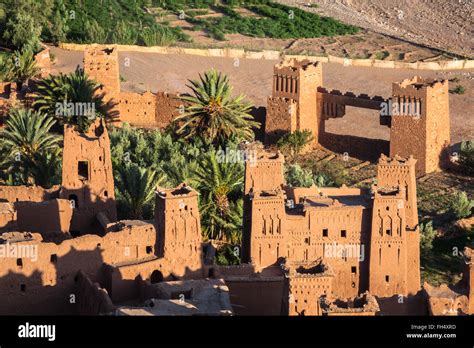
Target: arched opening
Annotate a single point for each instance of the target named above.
(156, 277)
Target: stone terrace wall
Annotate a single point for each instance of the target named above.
(277, 55)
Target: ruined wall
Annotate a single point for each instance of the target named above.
(149, 109)
(101, 64)
(8, 217)
(87, 177)
(137, 109)
(167, 108)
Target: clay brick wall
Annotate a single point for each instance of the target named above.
(293, 102)
(92, 299)
(101, 64)
(266, 173)
(179, 224)
(27, 193)
(281, 118)
(43, 217)
(49, 281)
(138, 109)
(149, 109)
(167, 108)
(87, 177)
(8, 218)
(425, 136)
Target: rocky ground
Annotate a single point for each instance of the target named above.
(440, 24)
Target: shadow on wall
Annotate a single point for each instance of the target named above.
(50, 286)
(404, 305)
(364, 149)
(259, 114)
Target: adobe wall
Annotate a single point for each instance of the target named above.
(137, 109)
(425, 135)
(101, 65)
(27, 193)
(44, 217)
(87, 175)
(92, 299)
(8, 217)
(167, 108)
(45, 285)
(149, 109)
(280, 119)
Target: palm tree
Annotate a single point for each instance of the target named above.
(213, 113)
(27, 140)
(28, 132)
(56, 93)
(20, 67)
(220, 185)
(135, 188)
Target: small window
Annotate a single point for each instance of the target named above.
(354, 269)
(106, 194)
(325, 232)
(149, 249)
(388, 232)
(54, 258)
(83, 170)
(22, 287)
(343, 233)
(307, 240)
(74, 201)
(19, 262)
(387, 278)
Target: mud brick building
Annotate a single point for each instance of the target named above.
(417, 113)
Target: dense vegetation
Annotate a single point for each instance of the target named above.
(142, 159)
(28, 22)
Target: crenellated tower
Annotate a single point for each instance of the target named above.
(292, 105)
(395, 239)
(420, 122)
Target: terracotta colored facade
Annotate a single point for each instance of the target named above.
(417, 113)
(142, 110)
(368, 239)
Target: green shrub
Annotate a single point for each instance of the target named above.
(427, 235)
(458, 90)
(296, 176)
(462, 206)
(291, 144)
(158, 36)
(466, 156)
